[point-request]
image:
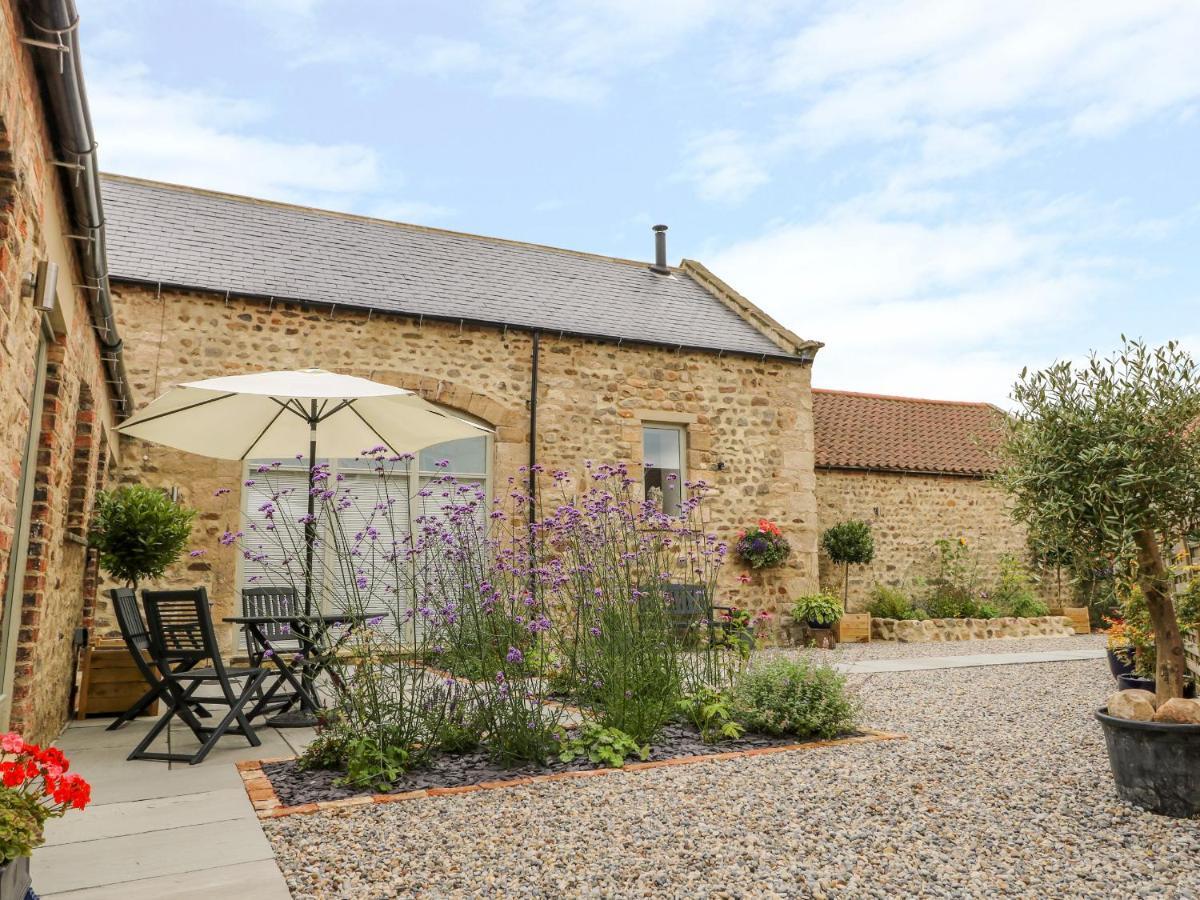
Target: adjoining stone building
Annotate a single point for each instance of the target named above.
(63, 384)
(917, 471)
(634, 361)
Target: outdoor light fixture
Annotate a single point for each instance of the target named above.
(42, 285)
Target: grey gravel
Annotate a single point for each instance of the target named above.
(1001, 790)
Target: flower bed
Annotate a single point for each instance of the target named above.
(294, 785)
(909, 630)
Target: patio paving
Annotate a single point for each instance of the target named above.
(155, 830)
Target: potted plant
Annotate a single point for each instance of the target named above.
(817, 614)
(1120, 647)
(1106, 456)
(139, 531)
(34, 786)
(1139, 634)
(849, 544)
(762, 546)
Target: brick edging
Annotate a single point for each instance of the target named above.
(267, 805)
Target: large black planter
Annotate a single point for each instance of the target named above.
(1132, 682)
(1156, 765)
(14, 879)
(1120, 662)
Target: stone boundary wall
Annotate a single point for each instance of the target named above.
(913, 631)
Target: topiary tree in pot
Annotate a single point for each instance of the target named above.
(849, 544)
(1106, 456)
(139, 531)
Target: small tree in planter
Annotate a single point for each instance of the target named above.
(1108, 456)
(849, 544)
(139, 531)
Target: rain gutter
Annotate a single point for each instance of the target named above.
(52, 35)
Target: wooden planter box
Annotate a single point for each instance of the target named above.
(110, 682)
(1078, 616)
(853, 628)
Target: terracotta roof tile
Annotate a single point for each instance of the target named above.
(905, 434)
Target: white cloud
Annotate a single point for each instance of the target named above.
(876, 68)
(723, 166)
(945, 310)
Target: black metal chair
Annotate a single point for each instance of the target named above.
(137, 640)
(181, 634)
(279, 603)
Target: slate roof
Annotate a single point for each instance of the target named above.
(905, 434)
(183, 237)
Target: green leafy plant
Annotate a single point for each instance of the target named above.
(953, 587)
(1107, 456)
(374, 761)
(710, 709)
(795, 697)
(328, 750)
(139, 531)
(1013, 593)
(820, 610)
(849, 544)
(602, 746)
(892, 603)
(1138, 628)
(22, 821)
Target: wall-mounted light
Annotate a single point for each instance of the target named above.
(721, 466)
(42, 285)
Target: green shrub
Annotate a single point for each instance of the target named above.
(710, 709)
(139, 531)
(602, 746)
(1013, 594)
(795, 697)
(949, 602)
(821, 609)
(892, 603)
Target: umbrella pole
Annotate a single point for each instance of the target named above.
(310, 525)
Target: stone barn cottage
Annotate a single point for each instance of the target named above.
(917, 471)
(567, 356)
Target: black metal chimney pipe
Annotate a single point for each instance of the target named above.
(660, 250)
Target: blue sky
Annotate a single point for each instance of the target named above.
(943, 192)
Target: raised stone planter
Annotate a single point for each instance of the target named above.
(908, 631)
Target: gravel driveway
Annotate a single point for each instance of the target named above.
(1002, 790)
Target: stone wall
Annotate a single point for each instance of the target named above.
(75, 418)
(752, 416)
(907, 514)
(907, 631)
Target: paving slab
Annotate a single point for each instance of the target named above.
(107, 820)
(106, 861)
(866, 666)
(261, 880)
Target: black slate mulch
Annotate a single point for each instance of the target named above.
(295, 786)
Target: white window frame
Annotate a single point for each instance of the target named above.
(681, 430)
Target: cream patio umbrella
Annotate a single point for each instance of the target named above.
(275, 414)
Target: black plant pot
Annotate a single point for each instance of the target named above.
(1137, 683)
(1156, 765)
(1120, 662)
(14, 879)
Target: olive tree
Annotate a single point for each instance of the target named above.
(1106, 456)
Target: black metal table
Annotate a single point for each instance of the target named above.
(308, 660)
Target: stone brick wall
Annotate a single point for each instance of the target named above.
(907, 514)
(56, 579)
(753, 416)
